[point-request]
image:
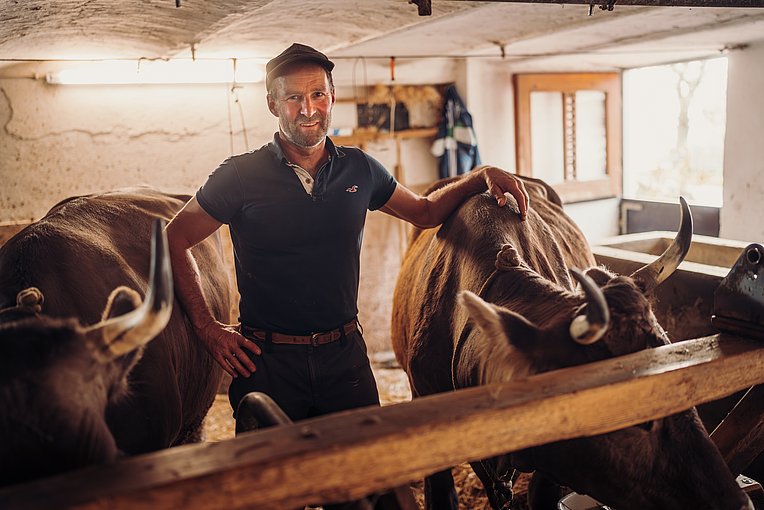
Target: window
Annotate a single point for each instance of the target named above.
(568, 132)
(674, 124)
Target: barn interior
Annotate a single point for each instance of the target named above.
(102, 95)
(60, 140)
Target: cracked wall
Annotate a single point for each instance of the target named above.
(59, 141)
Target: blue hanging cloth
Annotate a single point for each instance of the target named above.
(456, 143)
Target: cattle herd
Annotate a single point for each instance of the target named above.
(90, 370)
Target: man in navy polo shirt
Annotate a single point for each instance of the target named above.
(296, 208)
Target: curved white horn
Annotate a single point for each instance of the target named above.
(119, 335)
(651, 275)
(589, 327)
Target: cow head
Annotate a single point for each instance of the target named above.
(664, 464)
(57, 376)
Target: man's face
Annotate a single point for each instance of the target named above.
(302, 99)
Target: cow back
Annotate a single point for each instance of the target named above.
(461, 255)
(81, 250)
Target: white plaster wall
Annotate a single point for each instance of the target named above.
(59, 141)
(370, 71)
(598, 219)
(743, 148)
(486, 87)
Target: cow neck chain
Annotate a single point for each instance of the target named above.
(506, 258)
(34, 430)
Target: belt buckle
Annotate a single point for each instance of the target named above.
(314, 339)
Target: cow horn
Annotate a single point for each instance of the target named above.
(589, 327)
(653, 274)
(119, 335)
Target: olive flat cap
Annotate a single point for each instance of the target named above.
(295, 53)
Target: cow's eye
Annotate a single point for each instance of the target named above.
(647, 426)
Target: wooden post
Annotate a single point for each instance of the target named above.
(740, 436)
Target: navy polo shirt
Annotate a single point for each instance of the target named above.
(297, 254)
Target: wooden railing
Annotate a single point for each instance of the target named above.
(351, 454)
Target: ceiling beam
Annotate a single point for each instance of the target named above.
(425, 6)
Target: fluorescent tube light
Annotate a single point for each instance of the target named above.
(124, 72)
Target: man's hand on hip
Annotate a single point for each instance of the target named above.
(226, 345)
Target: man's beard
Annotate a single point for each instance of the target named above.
(303, 139)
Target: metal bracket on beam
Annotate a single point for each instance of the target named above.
(739, 299)
(424, 6)
(646, 3)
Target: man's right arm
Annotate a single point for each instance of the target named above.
(190, 226)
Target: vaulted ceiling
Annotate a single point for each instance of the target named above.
(529, 35)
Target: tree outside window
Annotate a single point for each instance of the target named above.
(674, 125)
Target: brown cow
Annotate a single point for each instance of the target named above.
(72, 394)
(525, 314)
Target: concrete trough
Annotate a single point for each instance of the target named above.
(685, 301)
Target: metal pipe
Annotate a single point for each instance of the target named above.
(258, 411)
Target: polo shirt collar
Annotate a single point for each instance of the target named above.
(275, 148)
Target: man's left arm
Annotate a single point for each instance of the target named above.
(432, 210)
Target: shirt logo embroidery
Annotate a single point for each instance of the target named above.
(352, 189)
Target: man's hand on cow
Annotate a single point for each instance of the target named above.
(500, 182)
(226, 345)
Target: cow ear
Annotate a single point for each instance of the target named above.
(121, 301)
(498, 322)
(600, 275)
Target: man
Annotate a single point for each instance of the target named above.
(296, 208)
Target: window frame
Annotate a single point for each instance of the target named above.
(569, 83)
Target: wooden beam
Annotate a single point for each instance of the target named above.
(740, 436)
(362, 137)
(347, 455)
(646, 3)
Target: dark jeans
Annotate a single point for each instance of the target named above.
(307, 381)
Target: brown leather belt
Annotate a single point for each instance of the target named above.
(314, 339)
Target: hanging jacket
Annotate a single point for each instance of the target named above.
(456, 144)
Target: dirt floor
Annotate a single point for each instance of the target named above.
(393, 388)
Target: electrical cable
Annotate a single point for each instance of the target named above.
(235, 94)
(365, 88)
(230, 123)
